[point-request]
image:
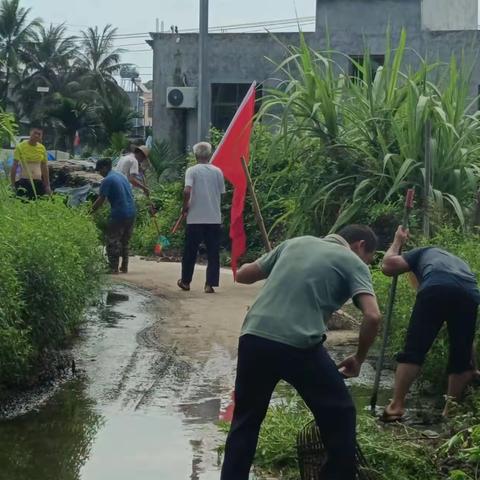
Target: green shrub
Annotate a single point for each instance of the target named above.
(167, 198)
(49, 270)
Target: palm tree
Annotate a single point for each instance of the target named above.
(99, 58)
(47, 60)
(116, 115)
(49, 54)
(15, 31)
(72, 116)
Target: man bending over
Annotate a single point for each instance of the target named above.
(447, 293)
(307, 279)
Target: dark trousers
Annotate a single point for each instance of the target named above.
(210, 235)
(435, 306)
(25, 189)
(261, 365)
(118, 236)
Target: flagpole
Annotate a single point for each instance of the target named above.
(256, 207)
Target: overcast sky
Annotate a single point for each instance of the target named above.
(139, 17)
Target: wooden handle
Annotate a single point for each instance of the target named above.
(179, 221)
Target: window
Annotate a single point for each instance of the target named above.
(226, 98)
(376, 61)
(150, 110)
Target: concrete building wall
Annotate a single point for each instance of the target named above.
(351, 25)
(238, 58)
(367, 17)
(447, 15)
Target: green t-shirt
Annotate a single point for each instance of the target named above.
(308, 279)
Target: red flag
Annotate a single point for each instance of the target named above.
(235, 145)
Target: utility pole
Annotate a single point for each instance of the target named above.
(203, 94)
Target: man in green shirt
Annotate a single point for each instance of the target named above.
(307, 279)
(31, 156)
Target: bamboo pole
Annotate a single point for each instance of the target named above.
(256, 207)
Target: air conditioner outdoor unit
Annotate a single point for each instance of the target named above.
(182, 97)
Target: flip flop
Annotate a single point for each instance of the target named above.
(391, 417)
(183, 286)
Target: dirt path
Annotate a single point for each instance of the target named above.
(197, 322)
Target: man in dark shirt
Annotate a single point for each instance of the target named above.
(447, 292)
(117, 189)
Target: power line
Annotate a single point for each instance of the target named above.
(260, 30)
(256, 26)
(224, 28)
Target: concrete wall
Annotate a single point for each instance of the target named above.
(447, 15)
(358, 18)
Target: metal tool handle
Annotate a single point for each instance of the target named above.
(409, 199)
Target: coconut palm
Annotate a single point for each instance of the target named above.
(71, 116)
(15, 31)
(47, 60)
(49, 55)
(116, 115)
(99, 58)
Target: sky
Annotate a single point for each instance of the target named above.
(140, 17)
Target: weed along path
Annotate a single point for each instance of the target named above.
(155, 366)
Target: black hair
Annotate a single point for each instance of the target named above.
(103, 163)
(356, 233)
(36, 126)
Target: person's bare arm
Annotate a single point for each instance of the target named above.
(367, 303)
(137, 183)
(46, 177)
(13, 172)
(187, 193)
(250, 273)
(98, 204)
(393, 263)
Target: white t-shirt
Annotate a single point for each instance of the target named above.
(128, 165)
(207, 185)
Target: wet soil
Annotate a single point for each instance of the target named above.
(137, 408)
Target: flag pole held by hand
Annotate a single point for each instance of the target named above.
(409, 198)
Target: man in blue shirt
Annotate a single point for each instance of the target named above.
(117, 190)
(447, 293)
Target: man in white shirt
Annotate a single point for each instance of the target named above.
(130, 164)
(204, 186)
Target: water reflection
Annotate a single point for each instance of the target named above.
(54, 443)
(142, 410)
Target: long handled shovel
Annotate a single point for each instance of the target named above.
(389, 313)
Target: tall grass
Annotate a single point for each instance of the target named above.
(362, 140)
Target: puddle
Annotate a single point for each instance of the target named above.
(135, 410)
